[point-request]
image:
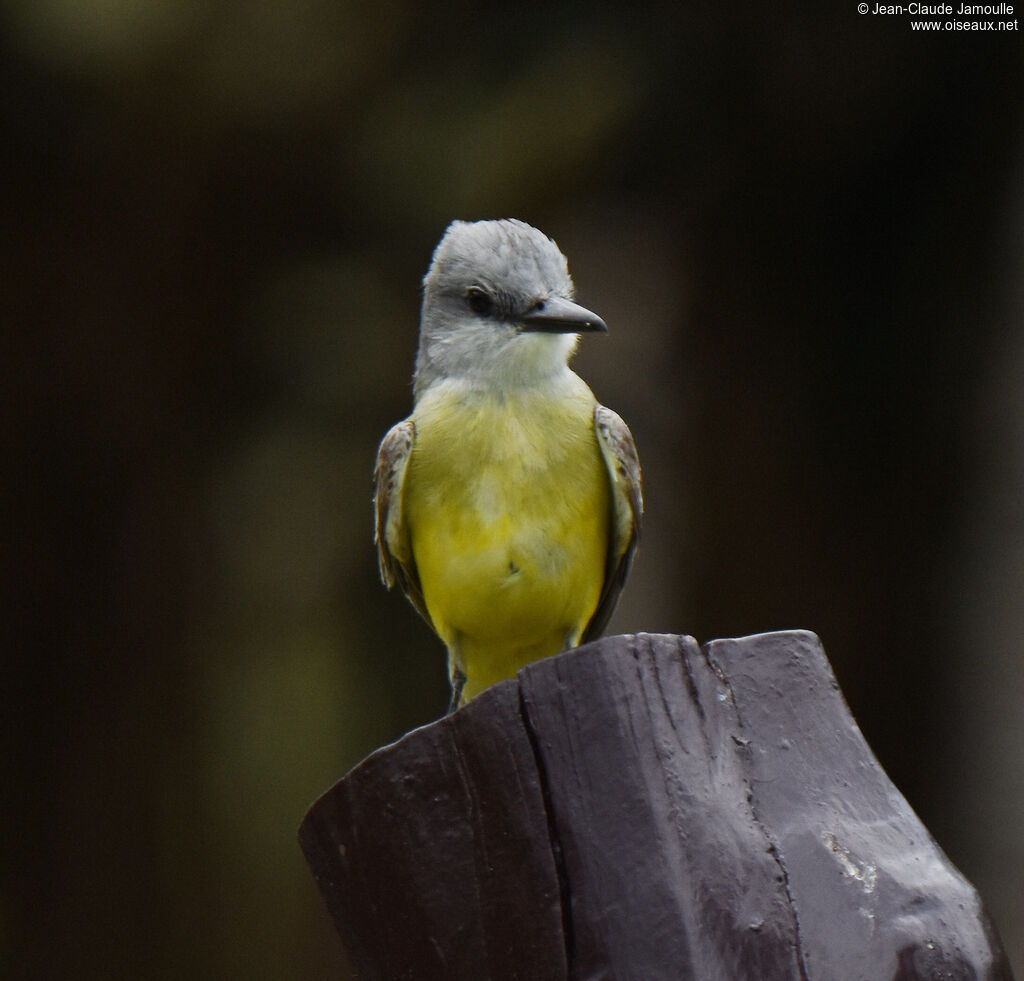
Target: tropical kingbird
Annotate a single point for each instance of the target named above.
(508, 504)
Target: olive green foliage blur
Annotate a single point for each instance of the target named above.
(803, 229)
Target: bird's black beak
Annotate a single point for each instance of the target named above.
(556, 315)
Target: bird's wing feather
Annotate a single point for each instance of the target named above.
(619, 452)
(394, 554)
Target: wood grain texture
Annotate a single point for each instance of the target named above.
(643, 809)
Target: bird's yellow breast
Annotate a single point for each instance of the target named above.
(507, 502)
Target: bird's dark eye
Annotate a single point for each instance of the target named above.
(479, 301)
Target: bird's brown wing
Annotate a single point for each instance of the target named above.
(394, 553)
(619, 452)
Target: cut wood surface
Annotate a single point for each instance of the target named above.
(641, 808)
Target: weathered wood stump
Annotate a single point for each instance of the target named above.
(643, 809)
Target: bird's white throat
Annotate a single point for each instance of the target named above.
(480, 360)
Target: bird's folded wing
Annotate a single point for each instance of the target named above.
(394, 554)
(619, 452)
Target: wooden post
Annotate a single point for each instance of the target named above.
(643, 809)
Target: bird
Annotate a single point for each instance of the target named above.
(508, 505)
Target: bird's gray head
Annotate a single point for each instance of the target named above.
(497, 308)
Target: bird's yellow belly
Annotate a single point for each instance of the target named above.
(509, 521)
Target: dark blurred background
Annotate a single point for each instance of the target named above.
(804, 227)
